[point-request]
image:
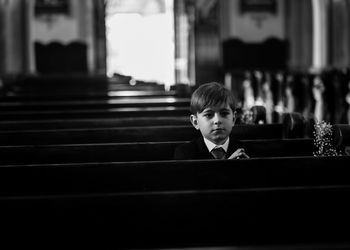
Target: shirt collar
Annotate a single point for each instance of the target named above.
(211, 145)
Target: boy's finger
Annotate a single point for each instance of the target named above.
(239, 152)
(245, 155)
(232, 156)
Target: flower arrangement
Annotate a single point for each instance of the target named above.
(323, 139)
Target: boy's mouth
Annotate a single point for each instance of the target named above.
(218, 130)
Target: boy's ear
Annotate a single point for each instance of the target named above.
(234, 117)
(194, 121)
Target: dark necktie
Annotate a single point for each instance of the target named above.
(218, 153)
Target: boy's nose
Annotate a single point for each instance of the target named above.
(217, 118)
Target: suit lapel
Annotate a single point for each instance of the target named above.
(232, 147)
(203, 152)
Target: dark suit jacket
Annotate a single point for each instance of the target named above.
(197, 149)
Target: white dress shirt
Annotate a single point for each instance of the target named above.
(211, 145)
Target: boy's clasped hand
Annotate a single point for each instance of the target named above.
(239, 154)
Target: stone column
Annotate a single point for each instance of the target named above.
(181, 42)
(320, 14)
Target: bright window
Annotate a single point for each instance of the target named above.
(140, 39)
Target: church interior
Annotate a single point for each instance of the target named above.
(95, 98)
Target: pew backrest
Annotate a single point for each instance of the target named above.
(107, 103)
(214, 202)
(145, 151)
(87, 95)
(130, 134)
(94, 113)
(94, 123)
(80, 178)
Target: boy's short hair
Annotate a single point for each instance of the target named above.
(209, 95)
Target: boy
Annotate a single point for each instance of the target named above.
(212, 107)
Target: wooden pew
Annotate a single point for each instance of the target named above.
(61, 90)
(292, 127)
(98, 122)
(129, 134)
(15, 97)
(94, 113)
(252, 202)
(108, 103)
(75, 83)
(94, 123)
(146, 151)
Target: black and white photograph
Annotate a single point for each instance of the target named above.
(175, 124)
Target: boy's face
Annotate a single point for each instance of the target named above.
(215, 123)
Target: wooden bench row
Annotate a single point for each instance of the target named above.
(146, 151)
(176, 204)
(152, 176)
(108, 103)
(46, 84)
(72, 88)
(62, 90)
(94, 123)
(94, 113)
(86, 95)
(291, 128)
(130, 134)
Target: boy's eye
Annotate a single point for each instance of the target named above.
(224, 113)
(207, 114)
